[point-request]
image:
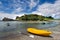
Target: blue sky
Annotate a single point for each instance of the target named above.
(13, 8)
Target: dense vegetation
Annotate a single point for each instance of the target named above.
(33, 17)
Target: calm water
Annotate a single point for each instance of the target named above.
(14, 27)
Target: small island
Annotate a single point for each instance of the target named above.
(7, 19)
(33, 17)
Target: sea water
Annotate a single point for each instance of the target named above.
(13, 27)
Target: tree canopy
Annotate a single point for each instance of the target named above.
(33, 17)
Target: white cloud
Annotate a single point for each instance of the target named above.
(0, 2)
(48, 9)
(18, 10)
(57, 15)
(38, 13)
(33, 4)
(12, 16)
(18, 5)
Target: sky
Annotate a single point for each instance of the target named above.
(13, 8)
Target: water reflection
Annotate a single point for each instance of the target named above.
(14, 27)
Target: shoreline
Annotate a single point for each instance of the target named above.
(54, 36)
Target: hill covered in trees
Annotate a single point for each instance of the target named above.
(33, 17)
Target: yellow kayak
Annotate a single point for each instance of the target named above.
(39, 32)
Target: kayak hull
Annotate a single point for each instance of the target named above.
(39, 32)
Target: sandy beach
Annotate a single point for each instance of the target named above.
(54, 36)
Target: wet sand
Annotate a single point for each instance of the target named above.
(54, 36)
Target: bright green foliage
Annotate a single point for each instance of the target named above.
(33, 17)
